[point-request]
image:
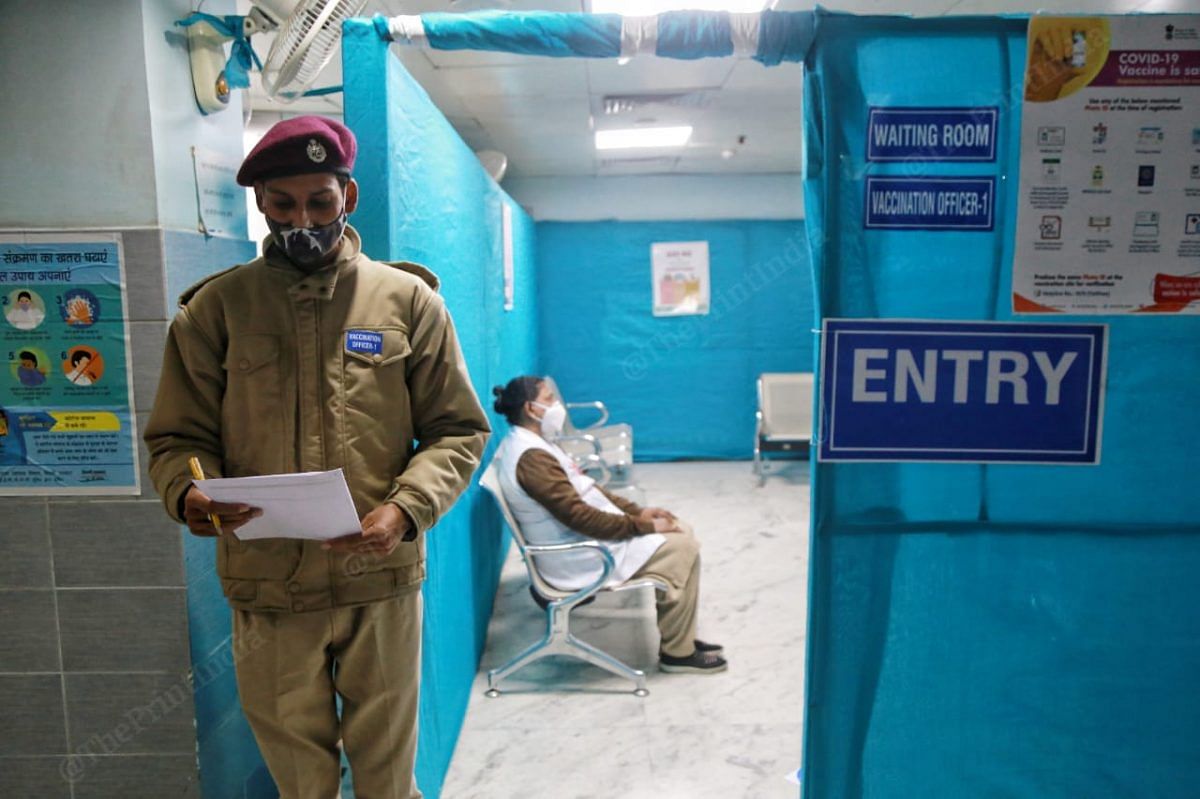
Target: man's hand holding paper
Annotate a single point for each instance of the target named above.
(382, 531)
(199, 509)
(310, 505)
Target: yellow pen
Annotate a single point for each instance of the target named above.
(198, 473)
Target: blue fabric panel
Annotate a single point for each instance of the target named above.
(541, 33)
(425, 198)
(694, 34)
(1025, 631)
(686, 384)
(784, 36)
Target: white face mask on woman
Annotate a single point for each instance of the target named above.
(554, 416)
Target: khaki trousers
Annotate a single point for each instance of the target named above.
(676, 563)
(290, 667)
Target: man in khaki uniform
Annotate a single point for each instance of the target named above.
(315, 357)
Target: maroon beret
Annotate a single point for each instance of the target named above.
(300, 146)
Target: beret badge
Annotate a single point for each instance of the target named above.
(315, 151)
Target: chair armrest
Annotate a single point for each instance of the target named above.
(582, 437)
(597, 405)
(607, 565)
(596, 462)
(645, 582)
(758, 423)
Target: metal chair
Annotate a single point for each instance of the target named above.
(558, 639)
(612, 443)
(784, 420)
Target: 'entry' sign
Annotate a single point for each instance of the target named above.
(895, 390)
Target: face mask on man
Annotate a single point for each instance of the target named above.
(308, 246)
(554, 416)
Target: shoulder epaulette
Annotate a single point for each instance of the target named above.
(422, 272)
(191, 291)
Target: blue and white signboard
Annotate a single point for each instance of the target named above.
(900, 390)
(930, 203)
(932, 134)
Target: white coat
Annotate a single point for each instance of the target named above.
(577, 569)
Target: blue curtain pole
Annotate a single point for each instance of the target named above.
(769, 37)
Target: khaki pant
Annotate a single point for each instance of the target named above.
(290, 667)
(676, 563)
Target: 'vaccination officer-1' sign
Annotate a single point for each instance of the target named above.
(896, 390)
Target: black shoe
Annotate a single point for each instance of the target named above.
(696, 663)
(544, 603)
(703, 646)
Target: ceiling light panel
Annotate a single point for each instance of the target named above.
(636, 138)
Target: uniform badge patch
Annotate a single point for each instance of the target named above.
(365, 341)
(316, 151)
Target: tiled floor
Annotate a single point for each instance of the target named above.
(566, 730)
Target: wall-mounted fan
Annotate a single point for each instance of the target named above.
(308, 32)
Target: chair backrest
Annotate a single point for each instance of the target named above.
(490, 480)
(569, 428)
(786, 402)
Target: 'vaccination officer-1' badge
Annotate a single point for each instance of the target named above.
(316, 151)
(368, 342)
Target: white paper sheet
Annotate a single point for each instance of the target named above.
(313, 505)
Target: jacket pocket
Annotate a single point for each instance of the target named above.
(374, 374)
(251, 417)
(261, 559)
(240, 590)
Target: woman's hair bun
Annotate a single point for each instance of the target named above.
(510, 399)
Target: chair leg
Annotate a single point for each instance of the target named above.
(536, 652)
(559, 641)
(759, 466)
(585, 651)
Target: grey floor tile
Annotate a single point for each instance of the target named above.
(29, 631)
(33, 778)
(147, 340)
(138, 777)
(147, 485)
(144, 274)
(31, 715)
(123, 544)
(123, 629)
(25, 544)
(130, 713)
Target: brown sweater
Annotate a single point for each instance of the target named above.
(539, 473)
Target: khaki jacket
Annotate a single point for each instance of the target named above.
(261, 376)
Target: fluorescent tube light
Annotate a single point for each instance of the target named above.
(627, 138)
(646, 8)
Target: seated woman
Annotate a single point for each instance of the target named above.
(556, 503)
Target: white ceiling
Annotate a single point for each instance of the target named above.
(541, 112)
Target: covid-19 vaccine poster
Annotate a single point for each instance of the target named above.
(1108, 220)
(67, 422)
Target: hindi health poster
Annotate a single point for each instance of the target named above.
(1108, 217)
(67, 423)
(679, 276)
